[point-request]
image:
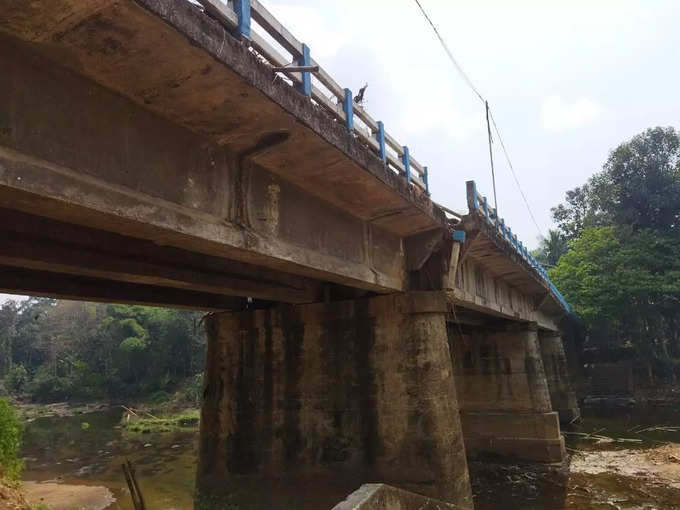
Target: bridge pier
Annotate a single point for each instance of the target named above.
(503, 394)
(562, 395)
(327, 396)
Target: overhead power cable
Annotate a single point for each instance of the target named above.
(489, 116)
(512, 169)
(451, 57)
(493, 172)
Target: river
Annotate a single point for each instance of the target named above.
(604, 475)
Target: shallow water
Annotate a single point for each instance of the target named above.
(62, 449)
(575, 489)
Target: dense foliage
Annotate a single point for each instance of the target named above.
(621, 272)
(55, 350)
(10, 437)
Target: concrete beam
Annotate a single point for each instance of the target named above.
(46, 284)
(175, 60)
(119, 168)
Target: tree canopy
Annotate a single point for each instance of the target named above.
(621, 272)
(68, 349)
(638, 187)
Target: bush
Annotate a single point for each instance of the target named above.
(47, 387)
(10, 441)
(16, 378)
(193, 389)
(85, 383)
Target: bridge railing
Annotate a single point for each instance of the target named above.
(479, 206)
(278, 47)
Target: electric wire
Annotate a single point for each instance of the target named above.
(493, 172)
(512, 169)
(489, 113)
(448, 52)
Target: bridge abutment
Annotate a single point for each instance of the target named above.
(562, 395)
(503, 394)
(333, 395)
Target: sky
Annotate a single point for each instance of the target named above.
(566, 81)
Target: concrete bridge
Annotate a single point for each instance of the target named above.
(153, 152)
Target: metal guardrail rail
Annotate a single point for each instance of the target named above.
(251, 21)
(479, 206)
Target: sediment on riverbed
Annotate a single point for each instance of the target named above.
(12, 497)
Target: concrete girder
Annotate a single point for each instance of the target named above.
(114, 166)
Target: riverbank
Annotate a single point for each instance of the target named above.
(61, 454)
(12, 496)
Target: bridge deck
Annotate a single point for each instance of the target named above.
(148, 154)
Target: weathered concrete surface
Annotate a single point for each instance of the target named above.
(562, 395)
(116, 167)
(379, 496)
(503, 394)
(148, 121)
(492, 278)
(358, 390)
(173, 59)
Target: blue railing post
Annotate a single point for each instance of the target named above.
(380, 136)
(485, 206)
(348, 108)
(242, 8)
(471, 189)
(406, 159)
(503, 227)
(426, 182)
(305, 60)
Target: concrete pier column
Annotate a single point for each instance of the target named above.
(325, 397)
(562, 395)
(503, 394)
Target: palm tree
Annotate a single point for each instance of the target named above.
(550, 249)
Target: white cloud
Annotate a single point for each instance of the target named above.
(557, 114)
(308, 25)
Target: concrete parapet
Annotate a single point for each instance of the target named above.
(378, 496)
(356, 390)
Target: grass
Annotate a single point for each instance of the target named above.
(144, 423)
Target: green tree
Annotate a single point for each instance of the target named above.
(87, 350)
(8, 332)
(640, 183)
(625, 285)
(638, 187)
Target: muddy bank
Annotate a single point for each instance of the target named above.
(656, 466)
(616, 480)
(59, 496)
(12, 498)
